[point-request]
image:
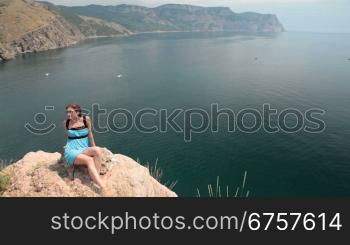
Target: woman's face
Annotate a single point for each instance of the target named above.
(71, 113)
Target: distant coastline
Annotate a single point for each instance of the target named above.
(28, 26)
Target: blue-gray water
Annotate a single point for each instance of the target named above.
(194, 70)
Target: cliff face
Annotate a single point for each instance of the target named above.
(28, 26)
(42, 174)
(51, 36)
(178, 17)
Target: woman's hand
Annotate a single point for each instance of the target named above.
(91, 135)
(65, 129)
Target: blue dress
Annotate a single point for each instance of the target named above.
(77, 142)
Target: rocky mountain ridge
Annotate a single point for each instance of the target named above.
(180, 17)
(29, 26)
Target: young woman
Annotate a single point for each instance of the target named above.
(80, 149)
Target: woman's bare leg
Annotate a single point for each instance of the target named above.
(96, 153)
(87, 161)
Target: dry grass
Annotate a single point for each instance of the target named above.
(4, 182)
(157, 173)
(18, 18)
(220, 192)
(4, 178)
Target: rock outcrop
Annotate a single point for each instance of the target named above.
(42, 174)
(55, 35)
(28, 26)
(25, 26)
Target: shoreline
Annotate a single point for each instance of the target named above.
(2, 60)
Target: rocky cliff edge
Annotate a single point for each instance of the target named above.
(42, 174)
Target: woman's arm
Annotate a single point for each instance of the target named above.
(64, 126)
(91, 135)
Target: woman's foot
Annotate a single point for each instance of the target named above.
(70, 173)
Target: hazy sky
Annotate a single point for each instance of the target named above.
(295, 15)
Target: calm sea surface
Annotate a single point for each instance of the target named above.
(195, 70)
